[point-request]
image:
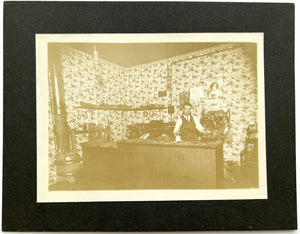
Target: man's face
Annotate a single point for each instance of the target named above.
(187, 110)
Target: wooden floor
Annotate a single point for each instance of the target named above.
(235, 177)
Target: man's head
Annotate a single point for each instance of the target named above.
(214, 85)
(187, 108)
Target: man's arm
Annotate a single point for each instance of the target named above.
(198, 126)
(177, 126)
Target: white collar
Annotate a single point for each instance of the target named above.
(186, 116)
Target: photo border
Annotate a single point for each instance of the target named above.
(22, 20)
(43, 193)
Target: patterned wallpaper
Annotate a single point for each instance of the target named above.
(229, 63)
(90, 82)
(239, 89)
(107, 83)
(51, 137)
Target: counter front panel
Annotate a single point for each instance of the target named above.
(171, 165)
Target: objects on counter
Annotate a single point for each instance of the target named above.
(95, 131)
(178, 138)
(108, 136)
(145, 136)
(158, 130)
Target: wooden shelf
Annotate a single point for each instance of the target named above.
(121, 108)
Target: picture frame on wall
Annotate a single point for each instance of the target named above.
(214, 91)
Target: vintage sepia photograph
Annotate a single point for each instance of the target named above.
(129, 117)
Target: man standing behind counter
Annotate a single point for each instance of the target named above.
(187, 126)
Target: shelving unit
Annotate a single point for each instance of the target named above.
(118, 108)
(95, 107)
(92, 107)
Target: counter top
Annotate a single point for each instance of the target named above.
(103, 143)
(199, 144)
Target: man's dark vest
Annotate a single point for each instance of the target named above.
(188, 130)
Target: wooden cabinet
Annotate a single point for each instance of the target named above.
(100, 166)
(251, 161)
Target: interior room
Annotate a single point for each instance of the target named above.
(116, 116)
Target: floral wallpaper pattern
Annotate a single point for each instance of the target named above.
(104, 83)
(51, 138)
(239, 90)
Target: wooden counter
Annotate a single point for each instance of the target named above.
(152, 165)
(168, 165)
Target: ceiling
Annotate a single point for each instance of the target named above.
(131, 54)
